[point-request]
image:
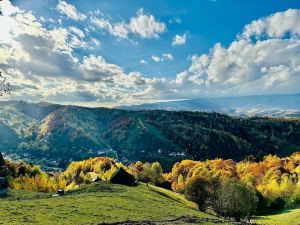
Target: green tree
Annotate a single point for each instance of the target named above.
(235, 200)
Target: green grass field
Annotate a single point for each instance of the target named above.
(102, 204)
(288, 217)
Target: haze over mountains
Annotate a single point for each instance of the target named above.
(54, 135)
(258, 105)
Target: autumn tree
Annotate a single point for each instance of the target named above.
(202, 191)
(150, 173)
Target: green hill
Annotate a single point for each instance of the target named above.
(102, 204)
(54, 135)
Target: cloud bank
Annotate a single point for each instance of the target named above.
(42, 64)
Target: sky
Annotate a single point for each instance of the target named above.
(116, 52)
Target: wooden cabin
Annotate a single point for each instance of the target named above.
(121, 176)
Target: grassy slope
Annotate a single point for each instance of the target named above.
(289, 217)
(97, 204)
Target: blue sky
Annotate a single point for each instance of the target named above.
(113, 52)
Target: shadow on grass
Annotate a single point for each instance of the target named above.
(274, 212)
(165, 195)
(179, 221)
(267, 215)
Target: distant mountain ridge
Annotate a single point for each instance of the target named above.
(259, 105)
(54, 135)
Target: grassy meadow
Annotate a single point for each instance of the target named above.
(102, 204)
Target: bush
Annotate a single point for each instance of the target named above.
(235, 200)
(201, 191)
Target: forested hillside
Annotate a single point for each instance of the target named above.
(54, 135)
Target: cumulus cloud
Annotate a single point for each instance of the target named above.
(143, 25)
(142, 61)
(179, 40)
(146, 26)
(263, 60)
(278, 25)
(69, 10)
(155, 58)
(163, 57)
(167, 56)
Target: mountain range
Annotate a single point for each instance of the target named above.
(54, 135)
(257, 105)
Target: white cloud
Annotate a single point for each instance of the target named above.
(143, 25)
(77, 32)
(69, 10)
(142, 61)
(164, 57)
(179, 40)
(167, 56)
(146, 26)
(119, 30)
(155, 58)
(275, 26)
(96, 42)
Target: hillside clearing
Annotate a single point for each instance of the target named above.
(102, 204)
